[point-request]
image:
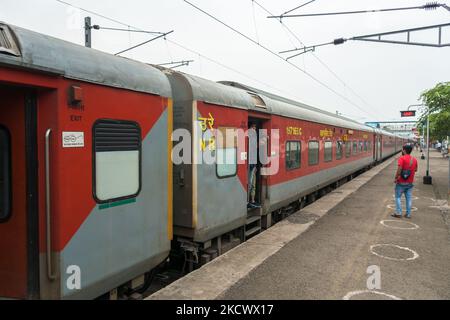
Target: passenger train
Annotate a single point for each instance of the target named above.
(90, 200)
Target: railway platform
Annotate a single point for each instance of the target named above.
(346, 245)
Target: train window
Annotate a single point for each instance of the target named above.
(328, 151)
(339, 149)
(117, 160)
(313, 152)
(365, 146)
(348, 149)
(5, 174)
(226, 162)
(355, 147)
(293, 150)
(361, 146)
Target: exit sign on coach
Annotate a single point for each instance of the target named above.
(408, 113)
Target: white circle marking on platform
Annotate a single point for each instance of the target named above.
(358, 292)
(392, 206)
(415, 254)
(414, 226)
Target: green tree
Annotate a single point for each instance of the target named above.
(437, 100)
(440, 125)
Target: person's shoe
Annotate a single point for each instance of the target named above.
(407, 216)
(396, 215)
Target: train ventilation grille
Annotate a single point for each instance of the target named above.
(116, 135)
(7, 43)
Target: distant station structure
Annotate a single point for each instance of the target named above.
(404, 128)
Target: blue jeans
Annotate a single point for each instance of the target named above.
(407, 190)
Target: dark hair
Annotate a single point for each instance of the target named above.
(408, 148)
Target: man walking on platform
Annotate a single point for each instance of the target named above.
(404, 178)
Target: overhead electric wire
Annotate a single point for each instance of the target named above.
(95, 13)
(142, 43)
(180, 46)
(428, 6)
(221, 64)
(225, 66)
(175, 62)
(369, 37)
(298, 7)
(162, 34)
(286, 29)
(97, 27)
(254, 20)
(278, 56)
(168, 50)
(336, 41)
(317, 58)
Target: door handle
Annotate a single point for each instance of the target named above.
(181, 177)
(50, 273)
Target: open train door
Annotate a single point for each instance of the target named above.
(258, 186)
(19, 253)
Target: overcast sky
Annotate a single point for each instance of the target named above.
(380, 79)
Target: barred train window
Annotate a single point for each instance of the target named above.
(328, 147)
(117, 160)
(226, 162)
(5, 174)
(293, 150)
(355, 147)
(339, 149)
(348, 148)
(313, 152)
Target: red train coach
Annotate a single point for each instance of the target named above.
(328, 147)
(84, 168)
(86, 178)
(316, 149)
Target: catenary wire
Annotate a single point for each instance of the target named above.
(278, 56)
(221, 64)
(317, 58)
(185, 48)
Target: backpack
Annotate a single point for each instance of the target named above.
(405, 173)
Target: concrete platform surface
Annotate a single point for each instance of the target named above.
(324, 251)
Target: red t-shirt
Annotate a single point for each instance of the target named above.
(404, 162)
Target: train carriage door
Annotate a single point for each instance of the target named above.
(18, 194)
(257, 158)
